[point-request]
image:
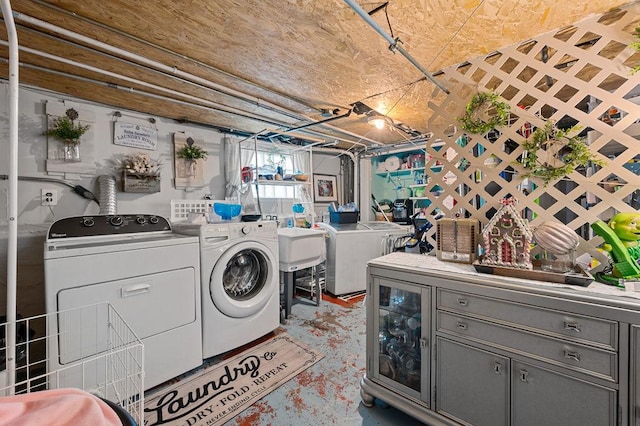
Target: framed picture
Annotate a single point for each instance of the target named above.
(325, 188)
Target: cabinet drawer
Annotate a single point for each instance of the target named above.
(597, 362)
(579, 328)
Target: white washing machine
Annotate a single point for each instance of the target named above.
(240, 282)
(149, 274)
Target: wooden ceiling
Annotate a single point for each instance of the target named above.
(271, 66)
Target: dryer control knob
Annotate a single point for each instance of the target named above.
(153, 220)
(88, 222)
(116, 220)
(247, 229)
(141, 220)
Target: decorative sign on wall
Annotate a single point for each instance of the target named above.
(135, 135)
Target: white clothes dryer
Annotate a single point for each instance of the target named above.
(240, 283)
(149, 274)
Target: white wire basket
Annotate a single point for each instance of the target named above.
(180, 209)
(90, 348)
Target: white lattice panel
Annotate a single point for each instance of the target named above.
(573, 75)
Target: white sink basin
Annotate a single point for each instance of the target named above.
(300, 248)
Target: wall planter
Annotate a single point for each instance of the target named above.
(68, 132)
(140, 173)
(189, 159)
(132, 183)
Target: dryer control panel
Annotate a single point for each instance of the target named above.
(89, 226)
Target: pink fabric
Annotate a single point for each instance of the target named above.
(58, 407)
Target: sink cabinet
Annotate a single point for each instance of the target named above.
(495, 351)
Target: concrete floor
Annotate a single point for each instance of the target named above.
(327, 393)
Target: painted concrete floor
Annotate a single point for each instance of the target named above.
(327, 393)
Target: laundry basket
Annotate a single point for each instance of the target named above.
(90, 348)
(180, 209)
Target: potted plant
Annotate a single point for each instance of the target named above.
(191, 153)
(65, 129)
(141, 173)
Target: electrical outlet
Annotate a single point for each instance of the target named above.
(49, 197)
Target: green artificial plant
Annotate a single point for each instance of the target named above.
(561, 154)
(636, 45)
(64, 127)
(191, 151)
(489, 101)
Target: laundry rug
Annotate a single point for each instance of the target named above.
(224, 390)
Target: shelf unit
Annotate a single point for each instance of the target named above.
(298, 191)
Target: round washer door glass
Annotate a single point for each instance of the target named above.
(242, 281)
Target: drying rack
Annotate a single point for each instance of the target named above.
(90, 348)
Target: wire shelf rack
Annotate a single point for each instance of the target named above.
(89, 347)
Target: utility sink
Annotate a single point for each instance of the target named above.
(300, 248)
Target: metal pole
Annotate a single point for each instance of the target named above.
(12, 246)
(393, 44)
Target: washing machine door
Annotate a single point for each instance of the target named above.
(243, 279)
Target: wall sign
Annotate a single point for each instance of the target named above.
(135, 135)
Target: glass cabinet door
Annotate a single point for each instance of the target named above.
(402, 349)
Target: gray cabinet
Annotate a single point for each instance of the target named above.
(635, 376)
(543, 397)
(499, 352)
(472, 384)
(400, 358)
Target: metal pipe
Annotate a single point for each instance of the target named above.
(320, 122)
(393, 44)
(158, 66)
(190, 104)
(12, 246)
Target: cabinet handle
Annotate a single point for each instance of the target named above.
(523, 375)
(134, 289)
(572, 355)
(424, 343)
(463, 302)
(497, 368)
(573, 326)
(462, 326)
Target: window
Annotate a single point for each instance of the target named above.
(268, 161)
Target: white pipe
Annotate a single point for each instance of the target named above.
(12, 249)
(174, 71)
(393, 44)
(198, 101)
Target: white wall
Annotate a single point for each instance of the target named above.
(98, 149)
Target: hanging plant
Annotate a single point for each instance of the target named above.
(191, 151)
(552, 154)
(636, 45)
(65, 129)
(488, 104)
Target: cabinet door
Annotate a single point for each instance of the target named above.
(401, 328)
(543, 397)
(472, 385)
(634, 375)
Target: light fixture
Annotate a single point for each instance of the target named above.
(379, 121)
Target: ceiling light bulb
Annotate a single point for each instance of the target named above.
(379, 122)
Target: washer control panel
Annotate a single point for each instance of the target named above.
(88, 226)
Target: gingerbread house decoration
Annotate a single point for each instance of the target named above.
(507, 238)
